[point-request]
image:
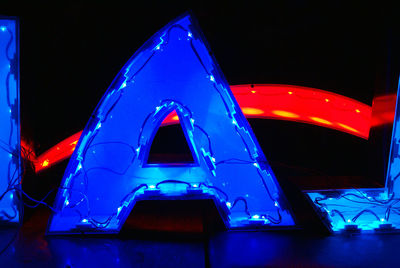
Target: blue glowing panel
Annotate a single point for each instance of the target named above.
(9, 120)
(393, 174)
(356, 210)
(108, 172)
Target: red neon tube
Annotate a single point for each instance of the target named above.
(283, 102)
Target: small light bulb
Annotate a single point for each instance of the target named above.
(382, 219)
(152, 186)
(84, 220)
(190, 34)
(228, 204)
(348, 220)
(256, 217)
(195, 185)
(3, 28)
(212, 78)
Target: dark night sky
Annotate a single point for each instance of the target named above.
(71, 51)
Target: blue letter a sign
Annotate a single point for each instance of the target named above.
(109, 172)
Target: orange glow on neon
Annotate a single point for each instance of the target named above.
(320, 120)
(347, 127)
(252, 111)
(285, 114)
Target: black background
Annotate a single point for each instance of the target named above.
(71, 51)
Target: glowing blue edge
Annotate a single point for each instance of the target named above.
(16, 194)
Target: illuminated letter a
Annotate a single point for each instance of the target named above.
(109, 172)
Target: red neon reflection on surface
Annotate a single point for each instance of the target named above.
(283, 102)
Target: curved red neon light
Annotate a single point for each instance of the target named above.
(283, 102)
(307, 105)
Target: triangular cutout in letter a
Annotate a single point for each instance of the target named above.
(108, 172)
(172, 145)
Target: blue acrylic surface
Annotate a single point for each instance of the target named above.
(356, 210)
(9, 121)
(108, 172)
